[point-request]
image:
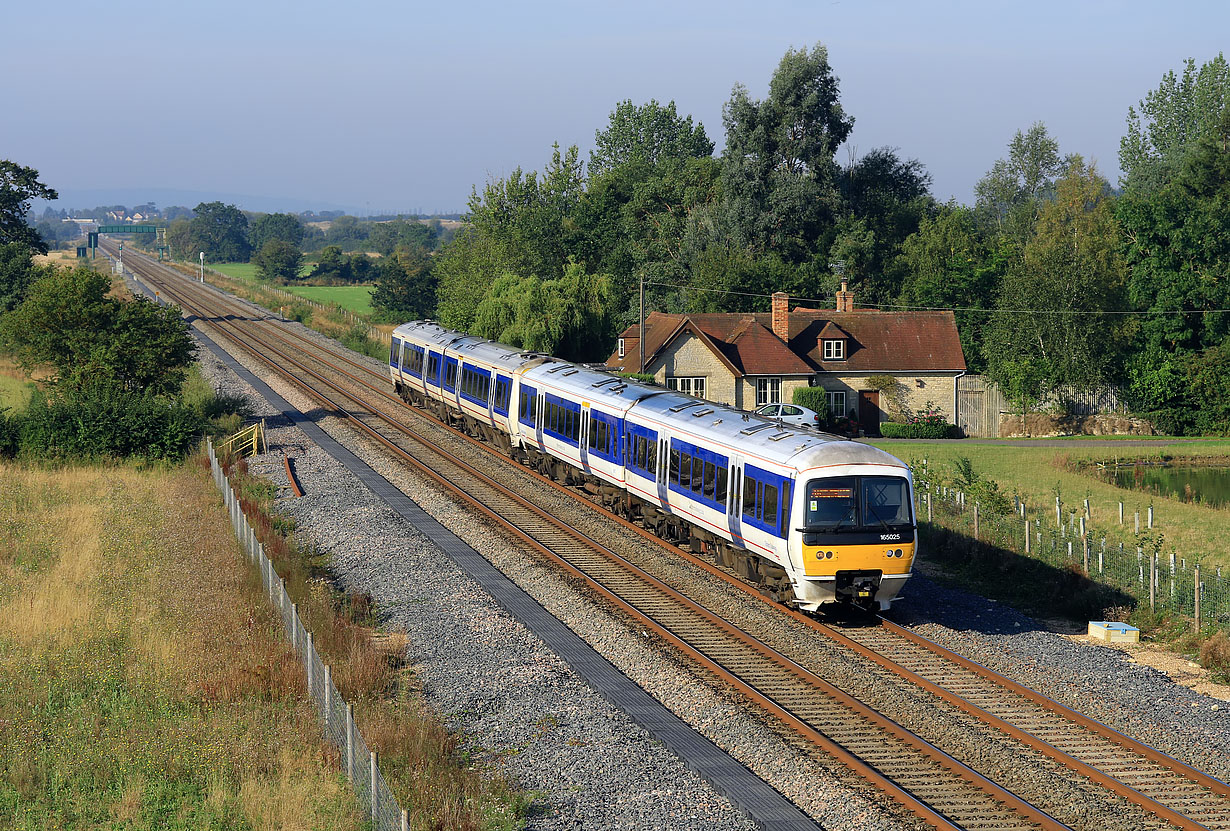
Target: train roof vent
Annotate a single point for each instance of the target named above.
(558, 368)
(571, 372)
(619, 388)
(703, 412)
(605, 381)
(756, 428)
(783, 435)
(683, 407)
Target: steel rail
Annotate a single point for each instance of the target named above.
(784, 715)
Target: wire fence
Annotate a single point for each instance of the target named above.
(1067, 538)
(336, 716)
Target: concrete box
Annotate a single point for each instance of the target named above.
(1112, 632)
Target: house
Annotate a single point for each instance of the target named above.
(874, 363)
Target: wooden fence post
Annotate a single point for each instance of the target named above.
(1196, 583)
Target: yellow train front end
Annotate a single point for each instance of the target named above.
(856, 538)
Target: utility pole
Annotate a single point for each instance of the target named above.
(642, 338)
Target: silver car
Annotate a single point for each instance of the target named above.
(791, 414)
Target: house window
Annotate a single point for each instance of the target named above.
(621, 347)
(687, 386)
(834, 350)
(768, 391)
(837, 403)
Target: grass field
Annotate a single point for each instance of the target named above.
(355, 298)
(1036, 472)
(15, 388)
(142, 683)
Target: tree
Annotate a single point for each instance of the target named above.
(1170, 120)
(567, 316)
(17, 273)
(19, 185)
(278, 260)
(221, 231)
(946, 264)
(1013, 191)
(68, 322)
(1049, 331)
(648, 135)
(285, 227)
(1178, 253)
(386, 237)
(405, 285)
(778, 171)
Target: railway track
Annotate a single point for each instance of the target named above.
(928, 781)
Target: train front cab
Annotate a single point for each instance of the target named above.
(855, 536)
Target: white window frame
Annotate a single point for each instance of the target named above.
(688, 385)
(833, 396)
(834, 350)
(768, 391)
(621, 347)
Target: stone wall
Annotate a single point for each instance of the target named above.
(1047, 424)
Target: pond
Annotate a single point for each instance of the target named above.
(1205, 485)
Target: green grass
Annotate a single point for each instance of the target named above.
(357, 299)
(1035, 473)
(14, 392)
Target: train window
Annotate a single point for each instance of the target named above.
(768, 512)
(674, 464)
(433, 367)
(830, 502)
(651, 455)
(885, 501)
(698, 474)
(720, 494)
(710, 479)
(450, 376)
(393, 351)
(642, 453)
(749, 497)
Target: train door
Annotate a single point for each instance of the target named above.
(664, 461)
(734, 500)
(583, 437)
(449, 380)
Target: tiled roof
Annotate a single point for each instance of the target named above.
(875, 341)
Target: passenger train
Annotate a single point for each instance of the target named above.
(814, 519)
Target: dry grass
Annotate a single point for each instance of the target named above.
(142, 681)
(419, 758)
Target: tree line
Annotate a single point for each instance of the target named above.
(1056, 278)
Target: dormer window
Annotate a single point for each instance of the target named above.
(621, 347)
(834, 350)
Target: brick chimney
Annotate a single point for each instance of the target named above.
(781, 316)
(845, 299)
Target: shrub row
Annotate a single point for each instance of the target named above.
(918, 430)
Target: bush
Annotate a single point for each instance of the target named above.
(918, 430)
(106, 422)
(813, 398)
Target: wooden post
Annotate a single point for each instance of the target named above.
(1152, 582)
(375, 793)
(928, 506)
(1087, 514)
(328, 694)
(1085, 554)
(294, 627)
(1058, 515)
(350, 742)
(1120, 512)
(405, 820)
(310, 661)
(1150, 516)
(1138, 522)
(1026, 536)
(975, 520)
(1196, 583)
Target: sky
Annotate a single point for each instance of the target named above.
(398, 107)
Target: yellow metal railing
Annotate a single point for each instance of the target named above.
(247, 442)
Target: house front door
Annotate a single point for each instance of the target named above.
(869, 412)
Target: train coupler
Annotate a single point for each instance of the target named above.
(858, 587)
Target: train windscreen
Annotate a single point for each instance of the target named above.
(857, 502)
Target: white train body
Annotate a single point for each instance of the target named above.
(813, 518)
